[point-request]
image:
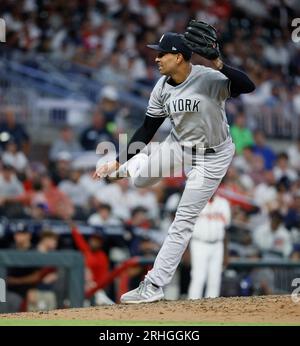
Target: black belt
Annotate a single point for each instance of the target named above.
(206, 150)
(195, 150)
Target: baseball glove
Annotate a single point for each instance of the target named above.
(201, 38)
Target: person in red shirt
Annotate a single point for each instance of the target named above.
(96, 261)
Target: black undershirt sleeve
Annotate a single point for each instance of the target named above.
(143, 134)
(240, 82)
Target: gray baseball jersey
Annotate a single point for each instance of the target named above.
(195, 107)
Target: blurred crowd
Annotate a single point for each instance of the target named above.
(110, 37)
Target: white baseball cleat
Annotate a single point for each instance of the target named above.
(145, 293)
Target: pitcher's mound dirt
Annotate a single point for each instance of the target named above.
(262, 309)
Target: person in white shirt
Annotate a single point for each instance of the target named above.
(265, 194)
(117, 196)
(146, 198)
(103, 217)
(14, 157)
(207, 248)
(73, 188)
(10, 185)
(294, 155)
(273, 237)
(283, 169)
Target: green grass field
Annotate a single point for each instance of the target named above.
(15, 322)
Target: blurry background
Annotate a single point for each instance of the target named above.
(76, 73)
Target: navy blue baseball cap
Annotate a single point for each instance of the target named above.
(21, 227)
(172, 42)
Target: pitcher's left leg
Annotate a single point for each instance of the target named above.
(192, 202)
(202, 182)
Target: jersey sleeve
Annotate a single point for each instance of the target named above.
(218, 86)
(155, 107)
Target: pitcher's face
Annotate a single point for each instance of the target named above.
(167, 63)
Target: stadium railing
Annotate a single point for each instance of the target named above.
(69, 259)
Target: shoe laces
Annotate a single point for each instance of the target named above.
(143, 286)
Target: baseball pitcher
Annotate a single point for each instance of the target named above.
(193, 98)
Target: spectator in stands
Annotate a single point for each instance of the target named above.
(33, 172)
(77, 193)
(265, 194)
(241, 135)
(139, 242)
(292, 218)
(10, 128)
(43, 297)
(147, 247)
(284, 198)
(294, 155)
(117, 195)
(21, 279)
(261, 148)
(96, 261)
(59, 204)
(103, 217)
(34, 191)
(22, 237)
(276, 53)
(295, 255)
(38, 212)
(109, 104)
(146, 198)
(136, 67)
(14, 157)
(271, 240)
(137, 227)
(242, 247)
(89, 183)
(11, 190)
(66, 143)
(257, 170)
(96, 133)
(48, 241)
(139, 218)
(61, 168)
(273, 237)
(112, 72)
(283, 170)
(244, 163)
(233, 189)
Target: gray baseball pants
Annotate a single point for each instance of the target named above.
(204, 175)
